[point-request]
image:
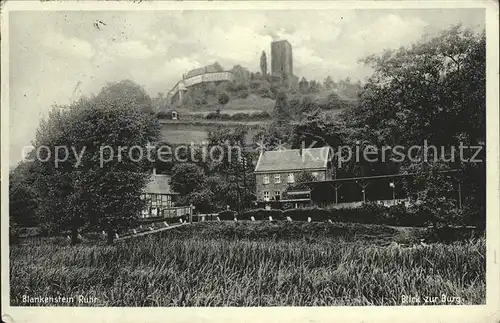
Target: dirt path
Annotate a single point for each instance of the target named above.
(149, 232)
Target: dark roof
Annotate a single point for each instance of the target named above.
(292, 159)
(196, 71)
(159, 184)
(281, 41)
(202, 70)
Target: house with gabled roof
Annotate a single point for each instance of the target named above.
(159, 195)
(277, 170)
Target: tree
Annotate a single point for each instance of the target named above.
(22, 197)
(241, 74)
(303, 85)
(420, 92)
(187, 178)
(434, 91)
(433, 194)
(159, 103)
(274, 135)
(223, 99)
(431, 91)
(304, 177)
(281, 112)
(233, 163)
(126, 92)
(263, 64)
(300, 182)
(313, 87)
(98, 190)
(190, 181)
(295, 107)
(217, 67)
(328, 83)
(209, 89)
(334, 101)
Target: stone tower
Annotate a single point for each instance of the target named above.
(281, 58)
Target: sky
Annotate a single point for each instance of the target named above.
(58, 56)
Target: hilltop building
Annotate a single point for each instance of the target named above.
(281, 71)
(282, 62)
(210, 73)
(281, 58)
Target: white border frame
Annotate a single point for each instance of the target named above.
(476, 313)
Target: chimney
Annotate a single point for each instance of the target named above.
(154, 171)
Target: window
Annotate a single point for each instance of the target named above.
(266, 179)
(291, 178)
(266, 195)
(174, 115)
(165, 200)
(315, 175)
(277, 195)
(277, 178)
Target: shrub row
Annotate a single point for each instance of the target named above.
(369, 213)
(262, 214)
(240, 116)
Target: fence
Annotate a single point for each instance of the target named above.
(352, 205)
(171, 212)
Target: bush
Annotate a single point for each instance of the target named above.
(256, 84)
(240, 87)
(402, 216)
(93, 236)
(243, 94)
(260, 116)
(265, 92)
(369, 213)
(162, 114)
(217, 116)
(227, 215)
(257, 116)
(316, 214)
(240, 116)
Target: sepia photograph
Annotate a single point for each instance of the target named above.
(249, 155)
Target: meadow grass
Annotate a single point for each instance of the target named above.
(252, 264)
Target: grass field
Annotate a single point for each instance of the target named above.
(254, 264)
